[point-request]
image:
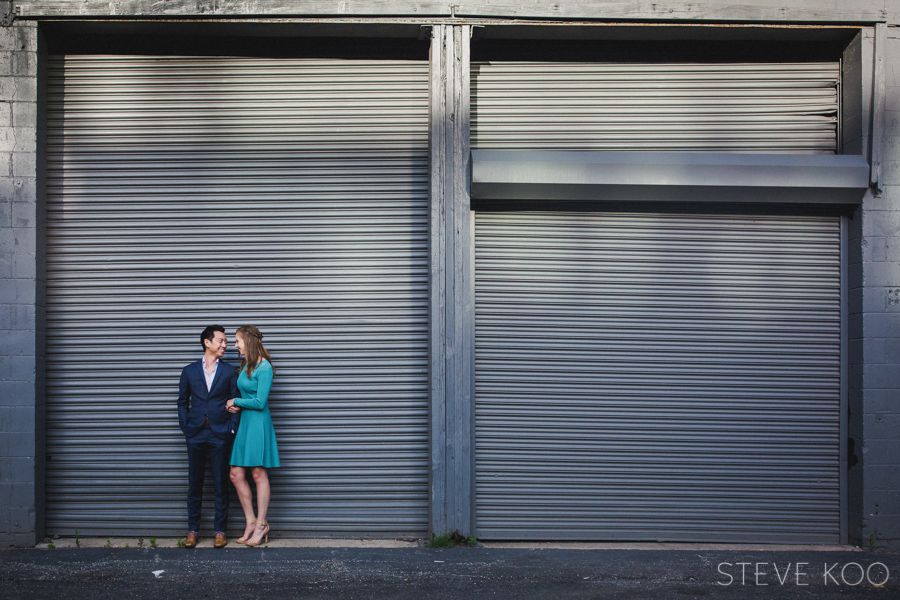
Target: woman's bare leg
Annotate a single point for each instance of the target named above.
(239, 479)
(263, 492)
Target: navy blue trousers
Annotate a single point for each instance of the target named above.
(205, 446)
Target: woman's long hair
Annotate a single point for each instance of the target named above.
(253, 348)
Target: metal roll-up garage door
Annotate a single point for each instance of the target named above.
(658, 376)
(644, 376)
(287, 193)
(745, 107)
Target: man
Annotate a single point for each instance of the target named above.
(204, 389)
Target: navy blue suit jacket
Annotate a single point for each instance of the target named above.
(195, 404)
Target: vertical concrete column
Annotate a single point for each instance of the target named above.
(21, 410)
(877, 416)
(874, 273)
(452, 326)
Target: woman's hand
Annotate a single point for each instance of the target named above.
(231, 407)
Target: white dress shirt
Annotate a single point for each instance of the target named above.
(209, 376)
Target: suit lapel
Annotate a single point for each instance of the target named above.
(201, 380)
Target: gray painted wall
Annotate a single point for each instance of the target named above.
(874, 236)
(20, 399)
(875, 334)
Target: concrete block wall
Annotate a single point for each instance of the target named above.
(876, 378)
(21, 413)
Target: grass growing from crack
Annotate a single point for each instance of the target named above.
(450, 540)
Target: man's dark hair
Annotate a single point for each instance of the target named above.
(209, 333)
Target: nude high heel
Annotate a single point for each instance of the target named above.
(243, 540)
(260, 524)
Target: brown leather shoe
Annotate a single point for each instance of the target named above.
(191, 540)
(220, 540)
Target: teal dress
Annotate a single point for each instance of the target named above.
(254, 444)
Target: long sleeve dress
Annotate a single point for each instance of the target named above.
(254, 444)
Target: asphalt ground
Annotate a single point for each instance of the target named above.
(422, 573)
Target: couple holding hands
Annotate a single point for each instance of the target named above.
(224, 414)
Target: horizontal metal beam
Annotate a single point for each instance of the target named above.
(668, 176)
(798, 11)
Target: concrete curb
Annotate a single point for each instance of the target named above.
(207, 542)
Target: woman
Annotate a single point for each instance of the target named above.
(254, 444)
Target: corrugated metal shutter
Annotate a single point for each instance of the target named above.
(746, 107)
(657, 376)
(290, 194)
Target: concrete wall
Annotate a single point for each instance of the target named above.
(20, 399)
(875, 334)
(851, 11)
